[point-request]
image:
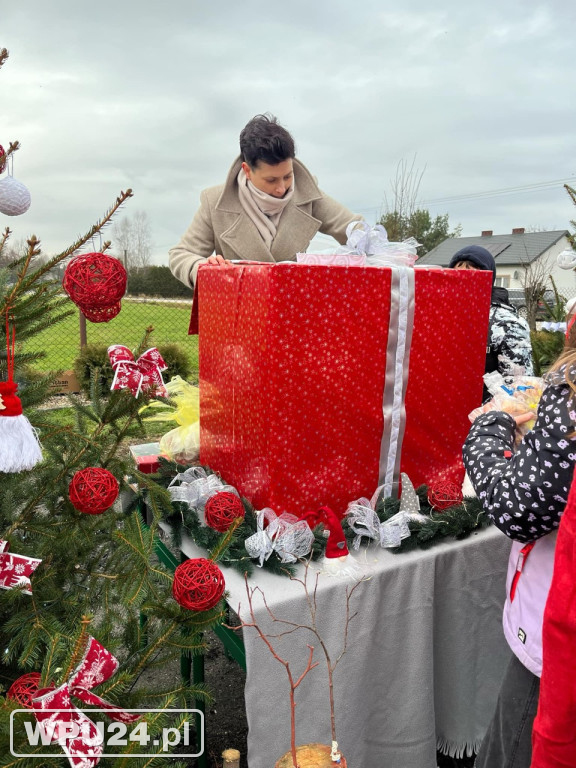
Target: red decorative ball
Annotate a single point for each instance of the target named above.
(95, 281)
(198, 584)
(222, 509)
(24, 689)
(2, 158)
(101, 315)
(93, 490)
(444, 494)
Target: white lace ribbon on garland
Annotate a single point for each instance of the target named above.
(285, 534)
(364, 521)
(194, 487)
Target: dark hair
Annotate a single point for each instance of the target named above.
(263, 138)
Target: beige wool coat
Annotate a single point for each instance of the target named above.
(222, 226)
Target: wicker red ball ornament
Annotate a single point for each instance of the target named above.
(96, 283)
(24, 689)
(93, 490)
(222, 509)
(444, 494)
(198, 584)
(2, 158)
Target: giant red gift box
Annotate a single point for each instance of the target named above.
(319, 383)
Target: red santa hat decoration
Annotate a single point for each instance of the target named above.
(337, 560)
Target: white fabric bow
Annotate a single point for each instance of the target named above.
(286, 535)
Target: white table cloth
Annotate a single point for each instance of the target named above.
(425, 656)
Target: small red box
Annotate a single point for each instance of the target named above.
(146, 457)
(319, 383)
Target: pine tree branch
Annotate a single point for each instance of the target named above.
(14, 146)
(160, 640)
(226, 540)
(33, 250)
(5, 236)
(30, 507)
(120, 200)
(4, 55)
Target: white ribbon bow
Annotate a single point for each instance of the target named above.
(286, 535)
(364, 521)
(194, 487)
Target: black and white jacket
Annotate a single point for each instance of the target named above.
(526, 493)
(509, 346)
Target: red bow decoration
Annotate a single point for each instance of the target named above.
(144, 374)
(15, 570)
(77, 734)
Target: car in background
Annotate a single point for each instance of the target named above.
(548, 301)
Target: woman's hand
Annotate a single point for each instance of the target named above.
(522, 418)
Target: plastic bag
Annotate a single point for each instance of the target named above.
(182, 443)
(520, 395)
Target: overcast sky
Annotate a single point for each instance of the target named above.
(152, 95)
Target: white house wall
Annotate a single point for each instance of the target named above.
(565, 279)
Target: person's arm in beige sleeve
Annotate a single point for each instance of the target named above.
(196, 247)
(334, 217)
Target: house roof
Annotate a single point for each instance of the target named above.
(506, 249)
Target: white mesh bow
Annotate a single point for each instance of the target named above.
(288, 536)
(194, 487)
(364, 521)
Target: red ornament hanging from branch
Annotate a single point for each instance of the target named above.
(93, 490)
(198, 584)
(24, 689)
(19, 446)
(96, 283)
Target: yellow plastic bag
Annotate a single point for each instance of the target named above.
(182, 443)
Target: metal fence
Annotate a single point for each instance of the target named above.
(169, 319)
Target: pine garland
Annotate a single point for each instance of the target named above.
(184, 520)
(455, 522)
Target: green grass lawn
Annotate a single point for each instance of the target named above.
(61, 343)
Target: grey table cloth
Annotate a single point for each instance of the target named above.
(424, 661)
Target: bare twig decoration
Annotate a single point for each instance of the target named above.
(294, 683)
(311, 601)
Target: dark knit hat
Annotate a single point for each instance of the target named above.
(475, 254)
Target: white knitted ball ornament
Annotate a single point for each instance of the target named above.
(14, 197)
(566, 259)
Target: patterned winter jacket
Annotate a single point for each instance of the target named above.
(509, 342)
(525, 494)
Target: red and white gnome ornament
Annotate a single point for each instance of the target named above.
(337, 560)
(19, 446)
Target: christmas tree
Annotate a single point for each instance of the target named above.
(98, 575)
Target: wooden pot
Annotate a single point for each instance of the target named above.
(311, 756)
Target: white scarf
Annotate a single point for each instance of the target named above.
(262, 209)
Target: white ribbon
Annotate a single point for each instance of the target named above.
(364, 521)
(380, 252)
(286, 535)
(194, 487)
